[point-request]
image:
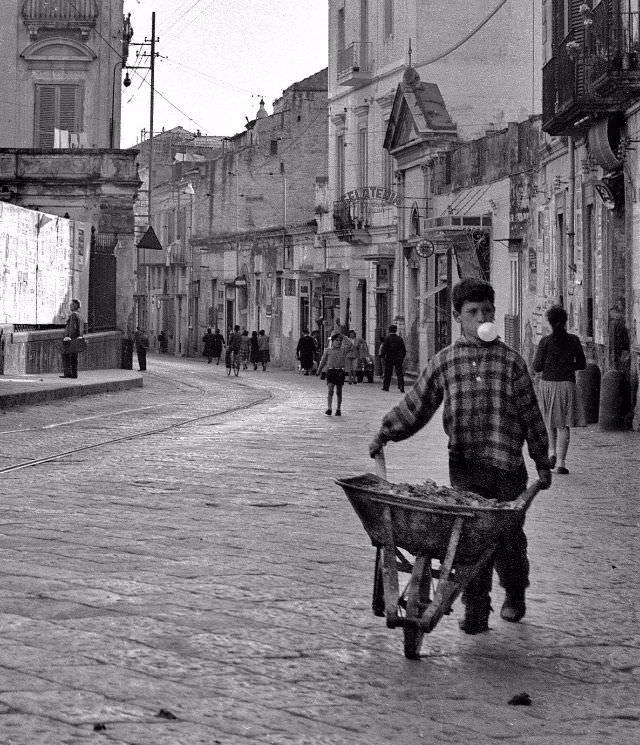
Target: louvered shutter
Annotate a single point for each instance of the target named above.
(68, 108)
(45, 115)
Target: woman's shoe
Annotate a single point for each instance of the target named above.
(562, 470)
(338, 412)
(328, 412)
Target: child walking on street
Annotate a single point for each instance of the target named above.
(334, 361)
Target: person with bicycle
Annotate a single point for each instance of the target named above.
(234, 344)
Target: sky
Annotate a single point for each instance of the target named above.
(217, 59)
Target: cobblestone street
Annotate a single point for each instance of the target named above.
(202, 579)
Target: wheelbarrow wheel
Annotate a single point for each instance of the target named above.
(418, 597)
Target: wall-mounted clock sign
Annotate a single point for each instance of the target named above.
(425, 249)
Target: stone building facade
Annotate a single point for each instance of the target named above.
(238, 227)
(59, 133)
(457, 50)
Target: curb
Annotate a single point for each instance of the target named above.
(22, 398)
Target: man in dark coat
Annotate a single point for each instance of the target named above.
(392, 352)
(209, 346)
(305, 351)
(73, 330)
(141, 343)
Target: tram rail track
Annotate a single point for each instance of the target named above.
(266, 396)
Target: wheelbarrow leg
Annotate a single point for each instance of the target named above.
(377, 601)
(390, 571)
(448, 588)
(417, 598)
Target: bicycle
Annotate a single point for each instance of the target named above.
(233, 362)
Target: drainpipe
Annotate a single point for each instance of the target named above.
(570, 275)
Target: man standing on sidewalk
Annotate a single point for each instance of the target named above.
(73, 332)
(141, 343)
(392, 353)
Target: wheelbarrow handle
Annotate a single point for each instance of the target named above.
(381, 466)
(525, 499)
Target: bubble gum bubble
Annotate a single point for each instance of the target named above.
(487, 332)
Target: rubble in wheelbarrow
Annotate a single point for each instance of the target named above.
(445, 495)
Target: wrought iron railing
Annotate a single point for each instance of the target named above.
(355, 58)
(612, 41)
(350, 215)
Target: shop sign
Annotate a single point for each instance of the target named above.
(375, 198)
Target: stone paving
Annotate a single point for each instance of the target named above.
(209, 583)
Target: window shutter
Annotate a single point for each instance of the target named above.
(68, 108)
(45, 115)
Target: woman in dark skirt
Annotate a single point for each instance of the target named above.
(558, 357)
(254, 350)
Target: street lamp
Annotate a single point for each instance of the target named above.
(112, 124)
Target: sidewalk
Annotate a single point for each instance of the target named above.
(26, 390)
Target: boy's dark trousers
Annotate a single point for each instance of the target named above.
(389, 365)
(510, 559)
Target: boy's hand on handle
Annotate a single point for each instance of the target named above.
(544, 476)
(375, 447)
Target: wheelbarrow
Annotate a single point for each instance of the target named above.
(448, 546)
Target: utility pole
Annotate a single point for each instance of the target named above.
(152, 63)
(151, 67)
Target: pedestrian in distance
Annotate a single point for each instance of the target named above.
(357, 351)
(141, 343)
(163, 342)
(254, 350)
(305, 351)
(209, 346)
(333, 359)
(70, 345)
(315, 334)
(263, 348)
(489, 411)
(217, 346)
(234, 344)
(245, 349)
(558, 357)
(392, 352)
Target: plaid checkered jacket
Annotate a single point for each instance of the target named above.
(490, 407)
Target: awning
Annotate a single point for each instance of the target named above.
(470, 245)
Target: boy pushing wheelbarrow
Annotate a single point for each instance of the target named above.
(490, 410)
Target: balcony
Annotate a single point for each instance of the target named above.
(59, 15)
(594, 72)
(613, 45)
(354, 64)
(351, 221)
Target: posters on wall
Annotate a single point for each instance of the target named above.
(44, 262)
(598, 311)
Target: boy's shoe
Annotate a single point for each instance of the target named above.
(476, 615)
(513, 608)
(328, 412)
(338, 412)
